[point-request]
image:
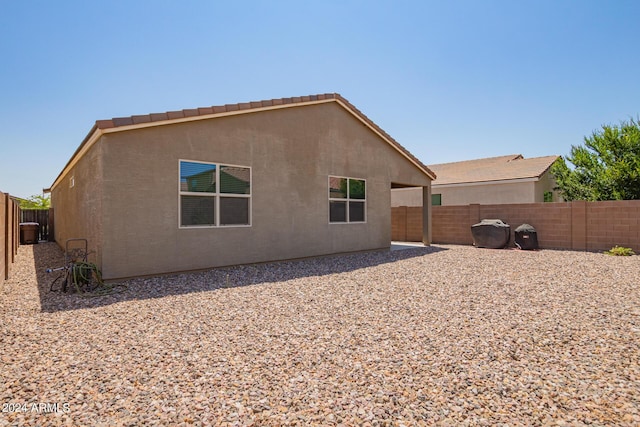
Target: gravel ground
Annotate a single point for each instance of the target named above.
(447, 335)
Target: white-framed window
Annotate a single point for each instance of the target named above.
(214, 194)
(347, 200)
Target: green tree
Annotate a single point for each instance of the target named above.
(36, 202)
(607, 167)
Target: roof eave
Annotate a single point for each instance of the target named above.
(486, 182)
(91, 138)
(102, 127)
(385, 136)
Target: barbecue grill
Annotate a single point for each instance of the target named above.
(491, 233)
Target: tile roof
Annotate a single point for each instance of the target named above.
(215, 109)
(513, 166)
(168, 117)
(254, 105)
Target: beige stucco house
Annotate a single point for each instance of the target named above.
(494, 180)
(233, 184)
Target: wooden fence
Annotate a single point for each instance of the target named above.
(44, 217)
(9, 234)
(580, 225)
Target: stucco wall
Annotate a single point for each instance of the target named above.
(411, 196)
(496, 193)
(78, 207)
(547, 183)
(291, 152)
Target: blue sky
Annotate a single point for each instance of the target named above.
(450, 80)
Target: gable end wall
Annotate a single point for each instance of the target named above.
(291, 152)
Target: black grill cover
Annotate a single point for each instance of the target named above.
(491, 233)
(526, 237)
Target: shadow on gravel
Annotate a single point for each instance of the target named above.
(48, 255)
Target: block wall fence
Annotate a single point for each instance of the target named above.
(9, 234)
(580, 225)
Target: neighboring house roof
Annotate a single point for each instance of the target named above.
(158, 119)
(501, 168)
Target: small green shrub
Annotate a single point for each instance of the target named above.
(620, 251)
